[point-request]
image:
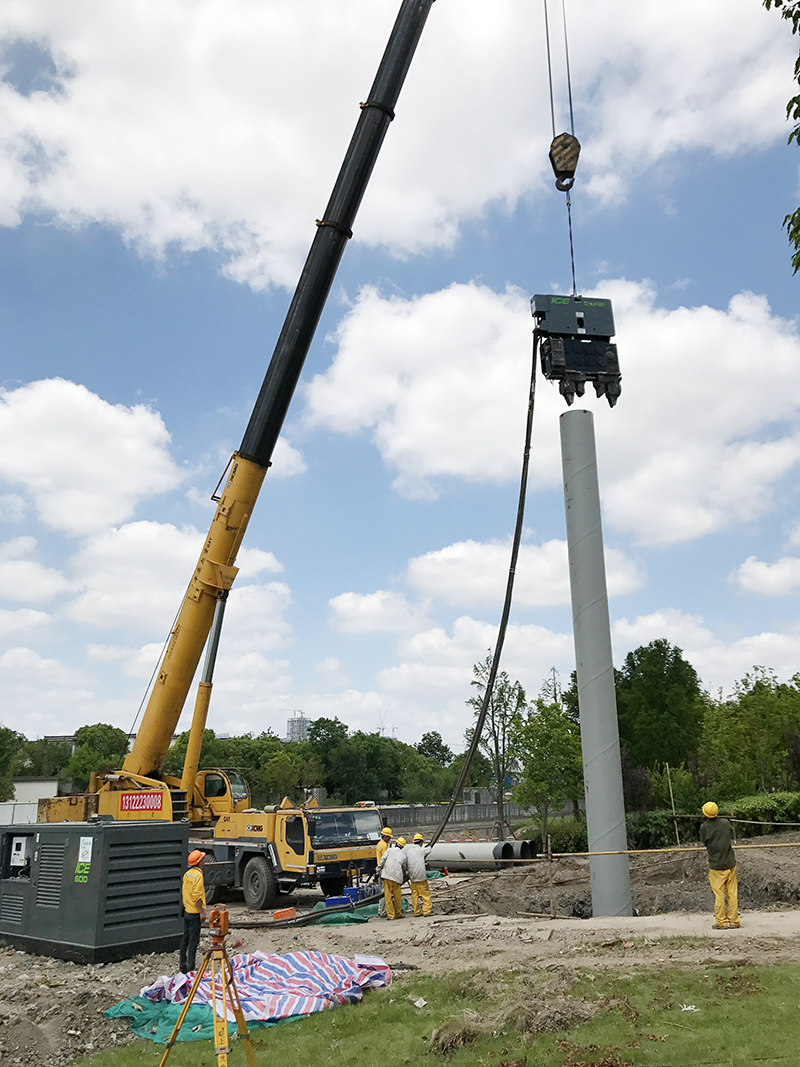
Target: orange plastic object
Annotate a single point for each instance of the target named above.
(284, 913)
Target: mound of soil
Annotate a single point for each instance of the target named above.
(660, 882)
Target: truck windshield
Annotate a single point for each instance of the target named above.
(238, 785)
(332, 827)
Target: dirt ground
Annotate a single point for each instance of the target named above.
(51, 1010)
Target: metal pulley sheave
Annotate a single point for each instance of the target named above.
(564, 152)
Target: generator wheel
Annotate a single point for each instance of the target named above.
(258, 884)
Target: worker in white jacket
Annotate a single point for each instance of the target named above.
(415, 853)
(392, 868)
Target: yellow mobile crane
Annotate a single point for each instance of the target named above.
(265, 853)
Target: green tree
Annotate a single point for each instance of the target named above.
(660, 705)
(479, 775)
(548, 744)
(790, 10)
(210, 753)
(432, 746)
(747, 738)
(505, 708)
(282, 777)
(325, 737)
(41, 759)
(10, 744)
(99, 747)
(425, 780)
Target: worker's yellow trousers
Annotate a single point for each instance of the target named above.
(421, 898)
(723, 882)
(393, 897)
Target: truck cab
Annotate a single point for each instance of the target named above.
(273, 852)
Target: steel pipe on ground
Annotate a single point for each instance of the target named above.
(472, 855)
(522, 850)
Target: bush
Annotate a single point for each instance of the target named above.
(566, 835)
(688, 792)
(652, 829)
(763, 810)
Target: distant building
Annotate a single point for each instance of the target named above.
(297, 726)
(31, 790)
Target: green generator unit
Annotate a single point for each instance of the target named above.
(92, 892)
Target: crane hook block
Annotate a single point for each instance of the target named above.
(564, 152)
(575, 345)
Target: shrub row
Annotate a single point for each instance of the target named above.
(764, 809)
(656, 829)
(645, 829)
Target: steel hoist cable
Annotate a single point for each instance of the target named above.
(501, 633)
(565, 176)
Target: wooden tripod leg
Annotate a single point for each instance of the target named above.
(201, 970)
(241, 1023)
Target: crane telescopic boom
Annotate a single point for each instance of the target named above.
(216, 570)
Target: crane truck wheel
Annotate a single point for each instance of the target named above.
(258, 884)
(213, 894)
(333, 887)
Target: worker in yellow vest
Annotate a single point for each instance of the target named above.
(194, 910)
(383, 844)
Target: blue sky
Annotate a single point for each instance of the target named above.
(161, 167)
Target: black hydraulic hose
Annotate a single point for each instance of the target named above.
(334, 229)
(308, 918)
(501, 633)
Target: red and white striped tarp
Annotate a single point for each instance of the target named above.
(274, 987)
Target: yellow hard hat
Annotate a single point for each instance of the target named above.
(401, 842)
(386, 832)
(195, 856)
(418, 837)
(710, 810)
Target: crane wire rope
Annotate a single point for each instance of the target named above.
(571, 118)
(149, 685)
(501, 633)
(495, 660)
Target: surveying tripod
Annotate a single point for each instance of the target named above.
(217, 957)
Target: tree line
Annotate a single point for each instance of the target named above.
(672, 733)
(351, 766)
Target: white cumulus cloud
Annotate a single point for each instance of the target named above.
(471, 573)
(201, 124)
(380, 612)
(134, 577)
(87, 462)
(698, 442)
(718, 662)
(771, 579)
(24, 578)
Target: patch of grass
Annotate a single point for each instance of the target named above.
(744, 1015)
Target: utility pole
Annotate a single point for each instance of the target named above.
(602, 768)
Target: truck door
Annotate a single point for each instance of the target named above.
(216, 792)
(291, 841)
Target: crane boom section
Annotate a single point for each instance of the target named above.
(215, 570)
(213, 575)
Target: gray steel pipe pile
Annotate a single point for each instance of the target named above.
(471, 855)
(602, 770)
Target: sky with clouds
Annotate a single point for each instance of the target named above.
(161, 168)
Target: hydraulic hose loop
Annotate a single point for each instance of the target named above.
(501, 633)
(381, 107)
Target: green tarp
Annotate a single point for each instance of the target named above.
(155, 1022)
